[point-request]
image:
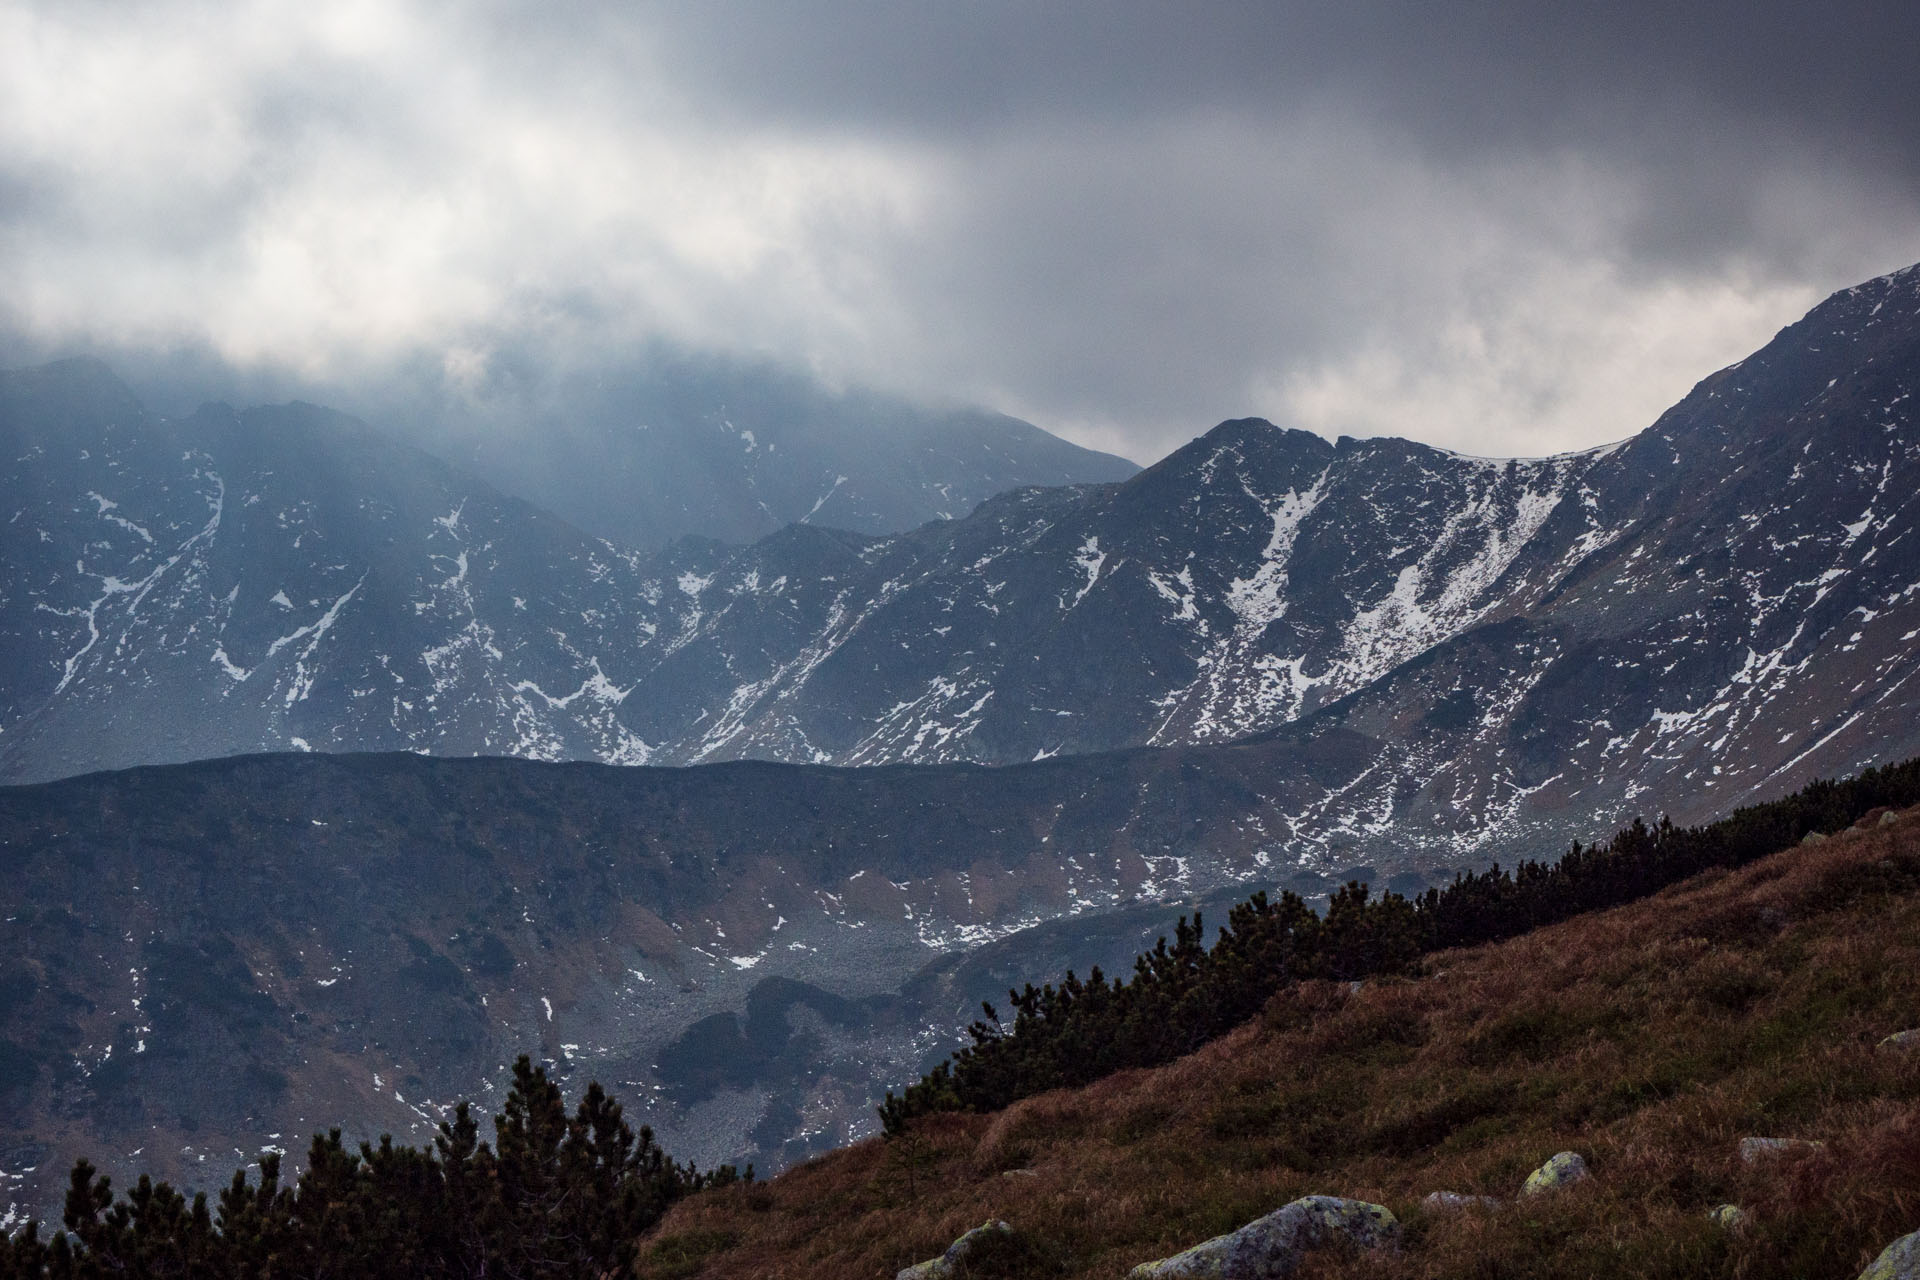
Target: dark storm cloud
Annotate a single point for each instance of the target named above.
(1504, 227)
(1699, 93)
(1465, 76)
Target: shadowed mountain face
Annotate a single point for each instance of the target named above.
(284, 576)
(204, 960)
(1518, 636)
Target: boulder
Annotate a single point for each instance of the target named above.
(1754, 1149)
(1902, 1040)
(1813, 837)
(1729, 1217)
(1449, 1201)
(947, 1264)
(1888, 818)
(1898, 1261)
(1563, 1170)
(1271, 1247)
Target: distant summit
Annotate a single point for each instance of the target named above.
(732, 451)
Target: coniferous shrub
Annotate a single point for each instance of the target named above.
(1182, 996)
(553, 1195)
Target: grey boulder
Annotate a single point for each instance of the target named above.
(1271, 1247)
(947, 1264)
(1728, 1217)
(1563, 1170)
(1898, 1261)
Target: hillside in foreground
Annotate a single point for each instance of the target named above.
(1650, 1039)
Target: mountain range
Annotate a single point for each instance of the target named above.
(1269, 660)
(1520, 636)
(280, 576)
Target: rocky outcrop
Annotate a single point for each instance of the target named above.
(1753, 1150)
(1563, 1170)
(1271, 1247)
(949, 1263)
(1898, 1261)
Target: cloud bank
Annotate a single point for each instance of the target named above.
(1487, 226)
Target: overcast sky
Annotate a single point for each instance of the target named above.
(1501, 227)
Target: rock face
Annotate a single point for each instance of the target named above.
(950, 1263)
(1753, 1150)
(1271, 1247)
(1564, 1170)
(1898, 1261)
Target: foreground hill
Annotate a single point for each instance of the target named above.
(1650, 1039)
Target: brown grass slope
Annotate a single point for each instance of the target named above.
(1650, 1038)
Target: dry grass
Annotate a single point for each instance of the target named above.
(1649, 1038)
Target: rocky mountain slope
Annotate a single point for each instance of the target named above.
(1669, 589)
(287, 577)
(1522, 634)
(175, 590)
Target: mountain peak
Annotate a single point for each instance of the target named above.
(1849, 358)
(1909, 274)
(1254, 439)
(1237, 429)
(78, 389)
(74, 369)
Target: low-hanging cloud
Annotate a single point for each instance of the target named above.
(1488, 226)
